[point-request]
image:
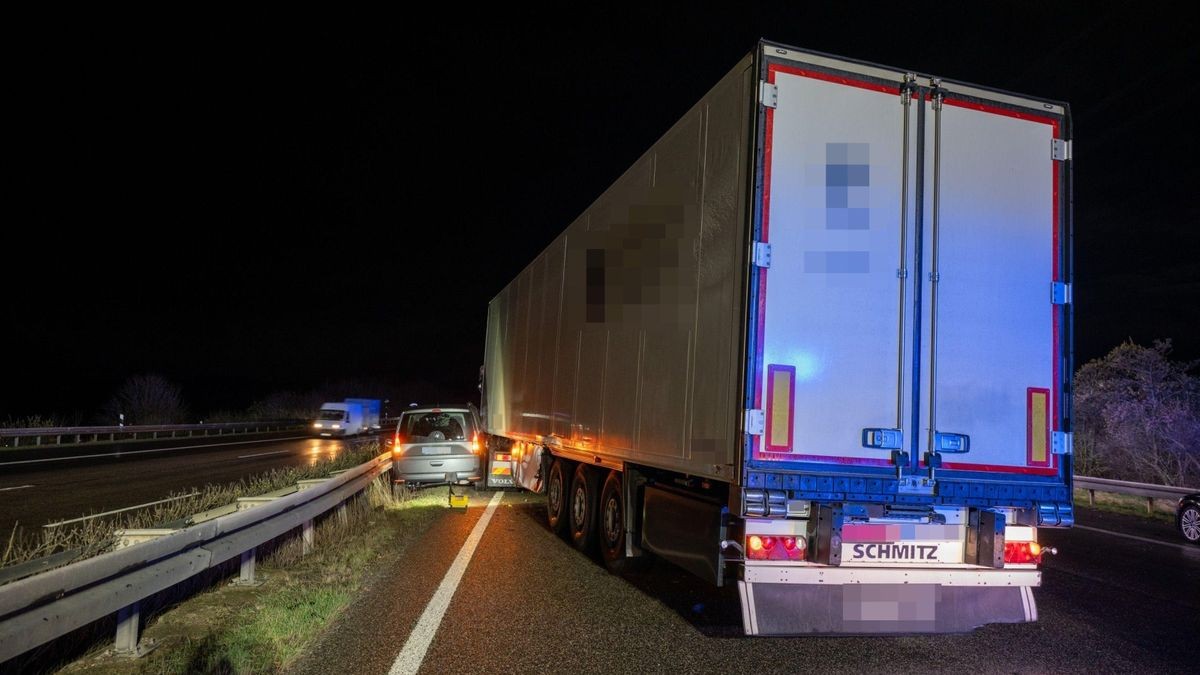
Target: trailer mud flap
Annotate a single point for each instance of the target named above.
(683, 529)
(862, 609)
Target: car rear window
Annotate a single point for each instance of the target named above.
(426, 426)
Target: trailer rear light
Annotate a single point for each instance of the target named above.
(1022, 552)
(770, 547)
(502, 457)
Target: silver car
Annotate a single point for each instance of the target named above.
(437, 446)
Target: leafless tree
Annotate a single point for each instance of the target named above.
(148, 399)
(1137, 416)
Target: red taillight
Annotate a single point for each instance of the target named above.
(502, 457)
(396, 442)
(1022, 552)
(769, 547)
(475, 446)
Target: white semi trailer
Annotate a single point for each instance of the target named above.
(814, 342)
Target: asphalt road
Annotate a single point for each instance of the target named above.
(37, 493)
(528, 602)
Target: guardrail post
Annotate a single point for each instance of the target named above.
(1091, 497)
(306, 536)
(246, 573)
(129, 630)
(1150, 505)
(343, 515)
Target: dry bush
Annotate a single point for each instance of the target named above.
(1137, 417)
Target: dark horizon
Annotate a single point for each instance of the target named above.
(248, 209)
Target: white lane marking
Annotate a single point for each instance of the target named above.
(15, 487)
(413, 653)
(141, 452)
(1182, 547)
(263, 454)
(127, 508)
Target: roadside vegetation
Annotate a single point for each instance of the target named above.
(29, 422)
(229, 629)
(1137, 417)
(97, 535)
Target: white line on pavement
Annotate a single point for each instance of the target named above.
(127, 508)
(263, 454)
(15, 487)
(139, 452)
(413, 653)
(1187, 549)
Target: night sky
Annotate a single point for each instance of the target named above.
(246, 204)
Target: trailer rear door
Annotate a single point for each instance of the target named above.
(831, 326)
(991, 335)
(906, 292)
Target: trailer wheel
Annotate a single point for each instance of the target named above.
(582, 507)
(612, 523)
(556, 497)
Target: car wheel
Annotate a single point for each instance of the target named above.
(582, 507)
(1189, 523)
(556, 497)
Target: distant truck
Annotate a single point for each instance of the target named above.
(817, 342)
(371, 411)
(340, 419)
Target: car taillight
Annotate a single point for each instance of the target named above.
(1022, 552)
(772, 547)
(475, 446)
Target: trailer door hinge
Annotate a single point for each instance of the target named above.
(755, 422)
(1060, 150)
(768, 94)
(762, 254)
(1062, 442)
(1060, 293)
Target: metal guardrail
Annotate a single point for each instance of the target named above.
(38, 609)
(1120, 487)
(51, 436)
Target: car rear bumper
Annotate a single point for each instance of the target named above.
(448, 469)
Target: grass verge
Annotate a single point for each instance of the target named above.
(1164, 509)
(96, 536)
(231, 629)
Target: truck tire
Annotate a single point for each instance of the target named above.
(612, 523)
(582, 507)
(557, 489)
(611, 533)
